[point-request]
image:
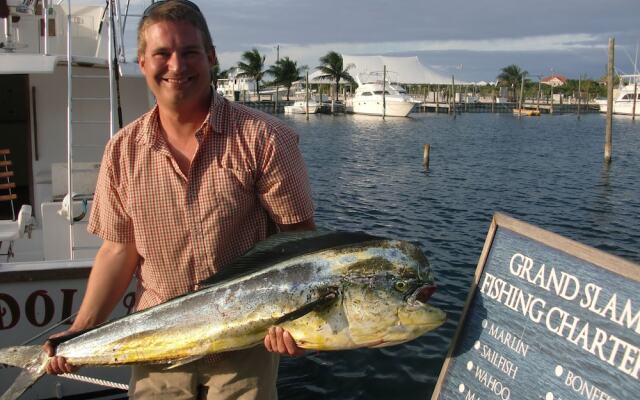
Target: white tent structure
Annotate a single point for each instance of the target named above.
(406, 70)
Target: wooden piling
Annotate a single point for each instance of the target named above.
(453, 96)
(520, 102)
(635, 98)
(437, 94)
(425, 155)
(551, 107)
(307, 95)
(579, 94)
(465, 99)
(384, 90)
(609, 123)
(493, 101)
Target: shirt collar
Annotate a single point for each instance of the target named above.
(216, 121)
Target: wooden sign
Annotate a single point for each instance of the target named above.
(546, 318)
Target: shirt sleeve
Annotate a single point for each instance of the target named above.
(283, 184)
(109, 219)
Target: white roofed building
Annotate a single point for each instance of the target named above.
(405, 70)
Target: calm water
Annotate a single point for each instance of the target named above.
(367, 175)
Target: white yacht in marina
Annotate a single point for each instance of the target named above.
(623, 98)
(59, 108)
(375, 96)
(300, 106)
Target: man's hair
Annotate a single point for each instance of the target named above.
(174, 11)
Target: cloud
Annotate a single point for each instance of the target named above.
(309, 54)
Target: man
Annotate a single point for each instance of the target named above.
(184, 190)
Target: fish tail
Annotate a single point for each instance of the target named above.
(33, 362)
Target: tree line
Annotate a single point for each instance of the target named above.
(285, 71)
(512, 75)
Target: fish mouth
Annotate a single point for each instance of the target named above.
(421, 294)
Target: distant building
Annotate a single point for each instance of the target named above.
(235, 87)
(554, 80)
(403, 70)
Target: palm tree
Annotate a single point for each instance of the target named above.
(251, 66)
(332, 68)
(511, 76)
(285, 72)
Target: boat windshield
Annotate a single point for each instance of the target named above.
(380, 92)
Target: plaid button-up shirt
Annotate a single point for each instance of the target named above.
(247, 172)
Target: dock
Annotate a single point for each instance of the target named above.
(443, 108)
(505, 108)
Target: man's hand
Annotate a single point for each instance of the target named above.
(280, 341)
(58, 365)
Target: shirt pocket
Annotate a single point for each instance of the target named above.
(232, 192)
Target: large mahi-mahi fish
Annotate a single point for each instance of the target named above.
(330, 290)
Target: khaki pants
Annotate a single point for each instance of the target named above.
(246, 374)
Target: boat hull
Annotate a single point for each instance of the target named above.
(35, 296)
(622, 108)
(301, 109)
(392, 109)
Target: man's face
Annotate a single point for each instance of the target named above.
(175, 64)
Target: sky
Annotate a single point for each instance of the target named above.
(471, 39)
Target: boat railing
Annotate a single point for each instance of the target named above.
(25, 26)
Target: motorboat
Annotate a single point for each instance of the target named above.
(375, 96)
(300, 107)
(623, 98)
(61, 104)
(526, 112)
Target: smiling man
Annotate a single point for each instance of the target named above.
(184, 190)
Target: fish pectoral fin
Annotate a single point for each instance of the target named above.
(324, 299)
(182, 361)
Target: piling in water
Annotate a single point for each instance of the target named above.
(635, 98)
(579, 94)
(609, 123)
(307, 95)
(453, 96)
(493, 101)
(425, 155)
(384, 91)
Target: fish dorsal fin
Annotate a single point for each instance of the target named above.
(283, 246)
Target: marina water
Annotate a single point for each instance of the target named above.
(367, 175)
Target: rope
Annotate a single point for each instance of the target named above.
(95, 381)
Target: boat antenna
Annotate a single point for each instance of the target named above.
(126, 14)
(635, 64)
(106, 6)
(117, 68)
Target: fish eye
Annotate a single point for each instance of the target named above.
(401, 286)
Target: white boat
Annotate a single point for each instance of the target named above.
(623, 97)
(300, 107)
(47, 254)
(368, 98)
